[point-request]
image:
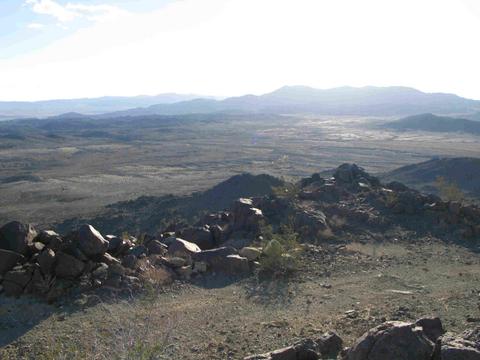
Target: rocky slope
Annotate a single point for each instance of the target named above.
(350, 204)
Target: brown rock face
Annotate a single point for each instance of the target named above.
(17, 237)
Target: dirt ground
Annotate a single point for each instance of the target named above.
(344, 288)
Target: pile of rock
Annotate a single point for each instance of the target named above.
(49, 265)
(423, 340)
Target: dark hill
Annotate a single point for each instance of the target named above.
(150, 213)
(430, 122)
(464, 172)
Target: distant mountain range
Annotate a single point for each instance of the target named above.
(15, 109)
(430, 122)
(463, 172)
(368, 100)
(337, 101)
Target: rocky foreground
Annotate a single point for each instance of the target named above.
(350, 205)
(423, 340)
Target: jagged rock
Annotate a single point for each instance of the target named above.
(90, 241)
(109, 259)
(118, 246)
(16, 237)
(250, 253)
(329, 344)
(47, 236)
(156, 247)
(200, 236)
(8, 259)
(432, 327)
(182, 248)
(36, 247)
(394, 340)
(68, 266)
(351, 174)
(46, 260)
(245, 216)
(15, 281)
(218, 234)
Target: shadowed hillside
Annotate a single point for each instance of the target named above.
(430, 122)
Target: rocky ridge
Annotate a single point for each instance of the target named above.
(229, 242)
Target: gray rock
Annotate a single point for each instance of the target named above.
(182, 248)
(68, 266)
(8, 259)
(90, 241)
(200, 236)
(46, 260)
(157, 248)
(393, 340)
(17, 237)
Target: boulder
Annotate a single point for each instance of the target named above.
(393, 340)
(351, 174)
(245, 216)
(232, 265)
(329, 344)
(16, 237)
(109, 259)
(432, 327)
(50, 238)
(68, 266)
(157, 248)
(46, 260)
(182, 248)
(90, 241)
(8, 259)
(118, 246)
(15, 281)
(250, 253)
(200, 236)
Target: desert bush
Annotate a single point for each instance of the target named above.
(280, 251)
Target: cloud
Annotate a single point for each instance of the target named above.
(71, 11)
(35, 26)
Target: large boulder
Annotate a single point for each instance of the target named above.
(17, 237)
(46, 260)
(90, 241)
(354, 176)
(393, 340)
(68, 266)
(251, 253)
(181, 248)
(211, 257)
(8, 259)
(245, 216)
(200, 235)
(15, 281)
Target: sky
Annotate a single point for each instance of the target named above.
(52, 49)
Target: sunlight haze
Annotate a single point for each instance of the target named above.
(87, 48)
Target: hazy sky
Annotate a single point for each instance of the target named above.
(87, 48)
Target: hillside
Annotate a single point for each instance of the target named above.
(464, 172)
(15, 109)
(431, 122)
(368, 100)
